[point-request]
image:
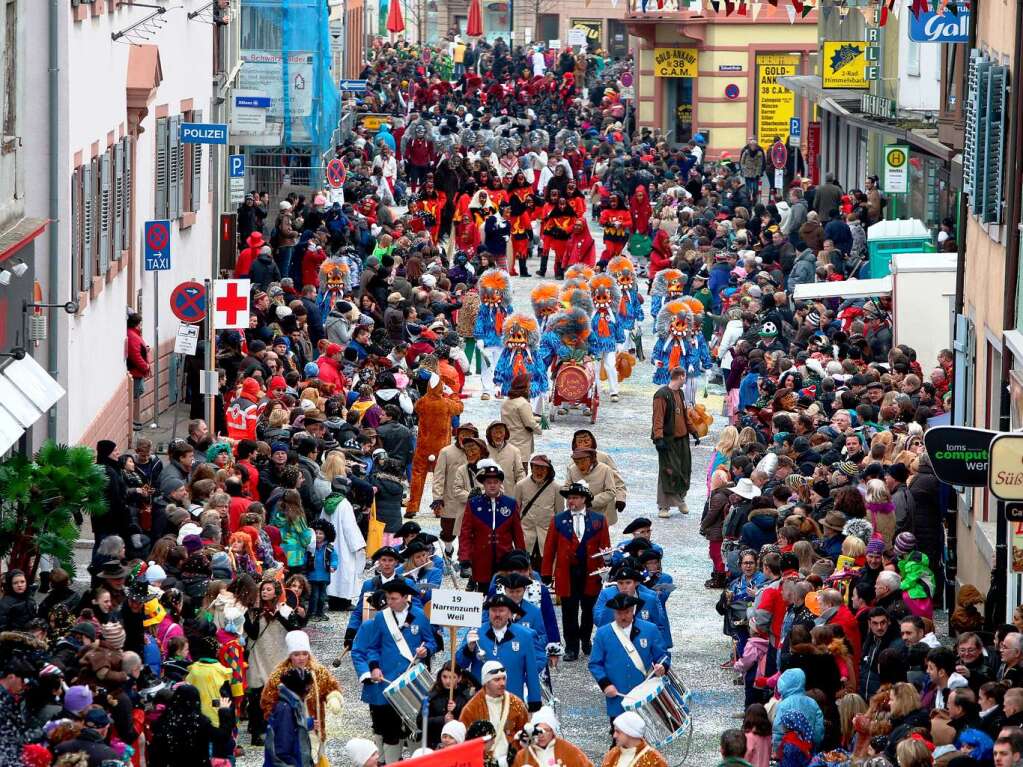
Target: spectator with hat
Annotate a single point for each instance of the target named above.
(92, 740)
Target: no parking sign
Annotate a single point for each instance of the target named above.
(188, 302)
(336, 174)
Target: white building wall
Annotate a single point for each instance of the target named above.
(919, 73)
(94, 103)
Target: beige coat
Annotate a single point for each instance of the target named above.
(544, 509)
(517, 415)
(606, 485)
(510, 460)
(450, 463)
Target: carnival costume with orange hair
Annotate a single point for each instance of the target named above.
(630, 303)
(567, 336)
(434, 412)
(495, 305)
(606, 332)
(520, 355)
(698, 358)
(544, 298)
(668, 285)
(247, 561)
(671, 349)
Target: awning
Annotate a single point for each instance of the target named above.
(846, 104)
(844, 289)
(26, 392)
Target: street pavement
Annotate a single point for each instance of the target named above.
(622, 429)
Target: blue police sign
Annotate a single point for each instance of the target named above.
(352, 85)
(203, 133)
(795, 126)
(949, 27)
(236, 166)
(157, 244)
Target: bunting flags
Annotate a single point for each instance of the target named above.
(791, 14)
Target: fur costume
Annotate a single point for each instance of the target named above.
(699, 359)
(577, 298)
(544, 298)
(580, 271)
(671, 349)
(434, 412)
(648, 756)
(567, 337)
(630, 303)
(324, 686)
(521, 340)
(565, 755)
(334, 274)
(495, 305)
(668, 285)
(518, 714)
(607, 331)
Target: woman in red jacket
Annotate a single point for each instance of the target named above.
(581, 248)
(640, 210)
(660, 254)
(617, 222)
(136, 357)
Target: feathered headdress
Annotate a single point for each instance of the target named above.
(694, 304)
(545, 299)
(577, 298)
(520, 327)
(621, 267)
(573, 322)
(495, 285)
(664, 279)
(668, 314)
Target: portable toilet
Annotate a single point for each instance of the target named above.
(898, 236)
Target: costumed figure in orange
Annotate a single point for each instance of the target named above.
(520, 197)
(616, 221)
(434, 412)
(606, 333)
(546, 302)
(432, 202)
(630, 302)
(557, 228)
(668, 285)
(520, 355)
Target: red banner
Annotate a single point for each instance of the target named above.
(468, 754)
(813, 148)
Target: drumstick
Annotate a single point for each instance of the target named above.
(336, 663)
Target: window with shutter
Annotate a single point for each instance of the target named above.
(127, 198)
(175, 151)
(97, 207)
(196, 187)
(976, 102)
(88, 226)
(162, 174)
(990, 184)
(117, 201)
(105, 209)
(76, 229)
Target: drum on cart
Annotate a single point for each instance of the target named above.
(663, 704)
(407, 693)
(575, 384)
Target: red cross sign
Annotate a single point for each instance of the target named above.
(230, 304)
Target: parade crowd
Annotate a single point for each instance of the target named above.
(339, 423)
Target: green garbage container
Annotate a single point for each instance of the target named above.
(901, 236)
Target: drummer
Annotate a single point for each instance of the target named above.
(514, 586)
(630, 749)
(502, 640)
(385, 560)
(385, 647)
(496, 704)
(628, 577)
(625, 652)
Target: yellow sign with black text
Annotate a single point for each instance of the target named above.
(594, 29)
(776, 104)
(676, 62)
(844, 64)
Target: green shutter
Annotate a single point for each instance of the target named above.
(990, 187)
(976, 103)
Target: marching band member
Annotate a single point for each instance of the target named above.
(625, 651)
(491, 526)
(494, 703)
(386, 560)
(640, 527)
(504, 641)
(576, 535)
(630, 749)
(657, 580)
(411, 531)
(422, 575)
(518, 562)
(397, 637)
(629, 580)
(545, 746)
(513, 586)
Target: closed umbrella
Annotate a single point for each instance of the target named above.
(474, 26)
(395, 22)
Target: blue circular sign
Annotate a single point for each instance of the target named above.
(731, 91)
(188, 302)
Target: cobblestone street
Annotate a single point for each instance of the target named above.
(622, 429)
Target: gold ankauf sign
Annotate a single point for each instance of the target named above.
(676, 62)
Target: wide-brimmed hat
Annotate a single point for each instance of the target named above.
(745, 488)
(834, 520)
(580, 487)
(487, 469)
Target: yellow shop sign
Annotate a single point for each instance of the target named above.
(675, 62)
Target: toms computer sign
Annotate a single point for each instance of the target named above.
(203, 133)
(959, 456)
(948, 27)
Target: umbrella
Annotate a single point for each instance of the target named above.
(474, 26)
(395, 22)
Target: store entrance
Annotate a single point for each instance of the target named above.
(678, 116)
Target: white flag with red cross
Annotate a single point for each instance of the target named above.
(231, 304)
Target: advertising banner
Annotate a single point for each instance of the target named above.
(959, 455)
(776, 104)
(844, 64)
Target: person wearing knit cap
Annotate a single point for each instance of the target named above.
(245, 410)
(362, 752)
(546, 746)
(452, 733)
(630, 748)
(76, 700)
(493, 703)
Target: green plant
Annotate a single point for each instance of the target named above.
(42, 503)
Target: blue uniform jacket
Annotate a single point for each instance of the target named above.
(619, 551)
(650, 610)
(516, 653)
(375, 648)
(662, 587)
(610, 664)
(424, 581)
(532, 621)
(550, 618)
(368, 587)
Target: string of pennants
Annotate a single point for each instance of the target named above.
(803, 8)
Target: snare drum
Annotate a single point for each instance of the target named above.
(407, 693)
(663, 704)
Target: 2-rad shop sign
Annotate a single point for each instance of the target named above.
(959, 455)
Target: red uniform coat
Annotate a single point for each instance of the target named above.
(490, 529)
(563, 551)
